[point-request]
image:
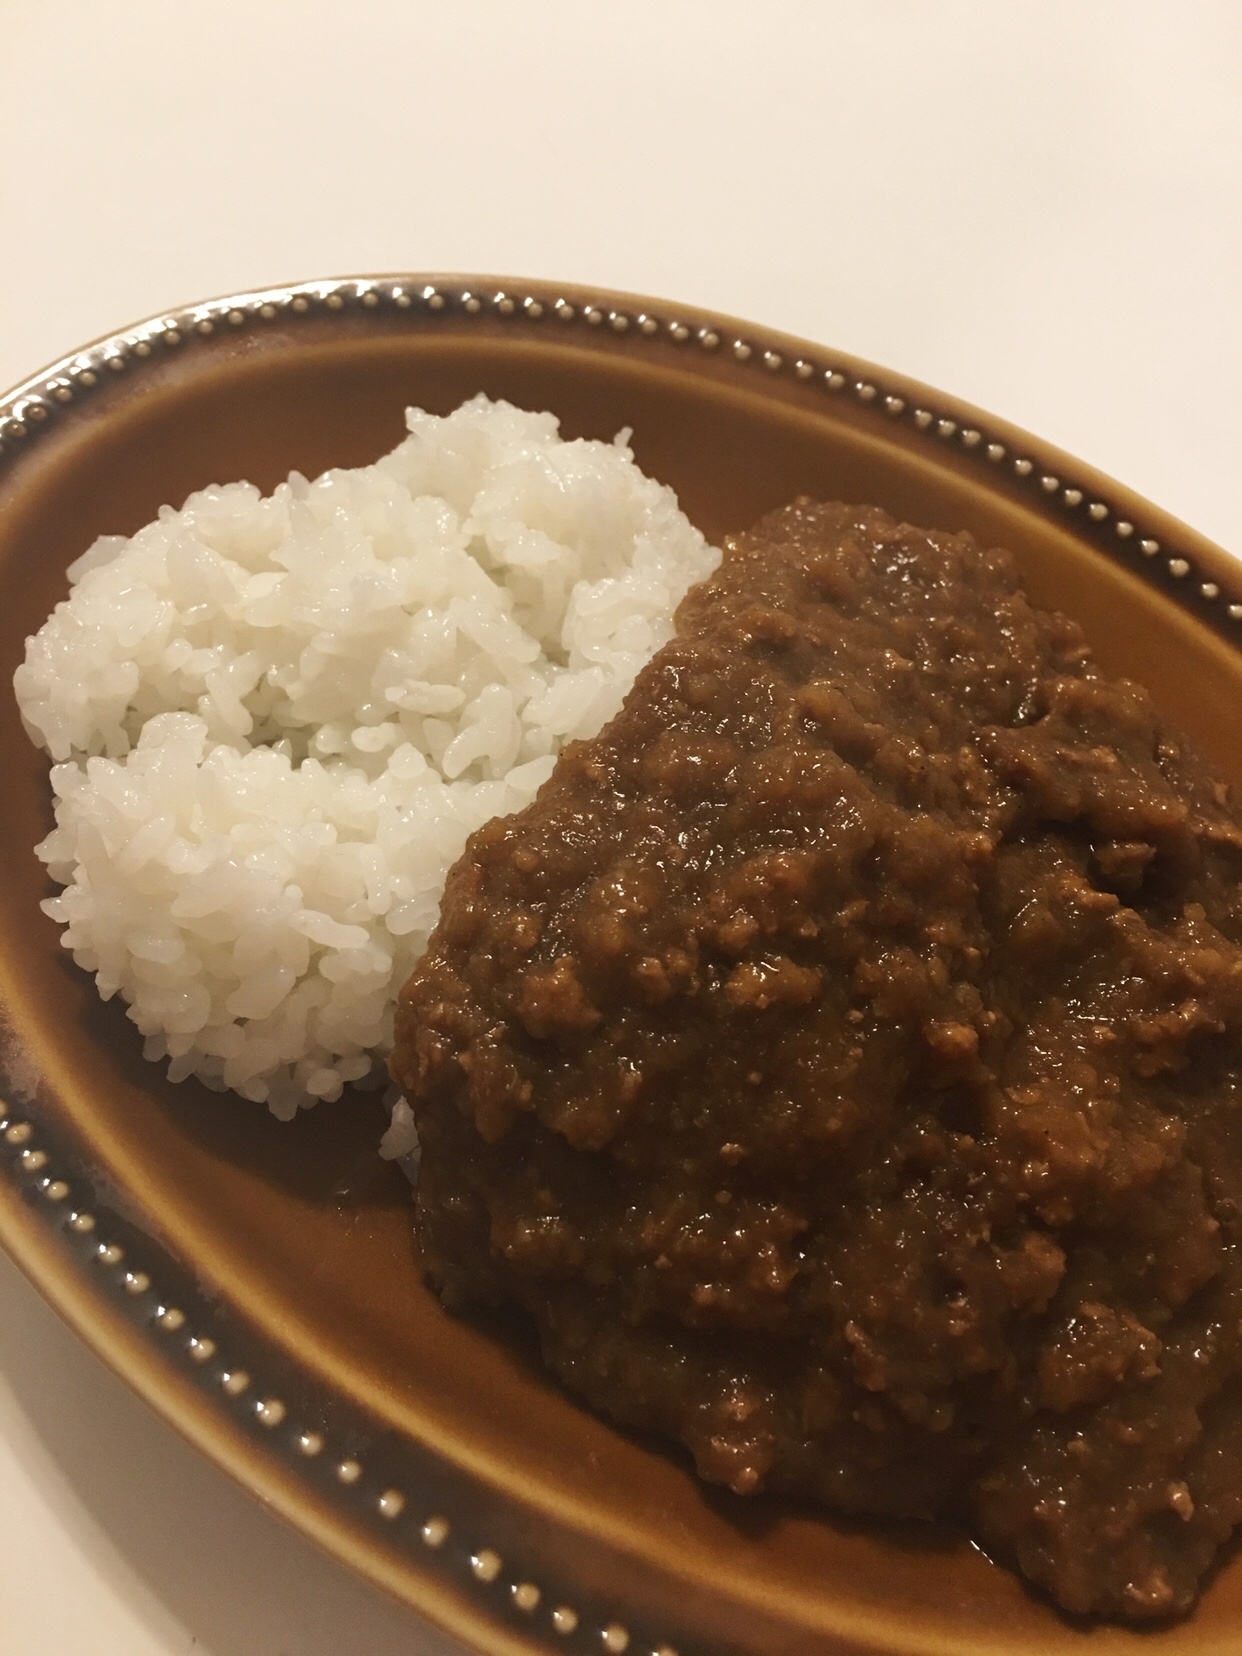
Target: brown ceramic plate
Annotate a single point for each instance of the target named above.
(256, 1282)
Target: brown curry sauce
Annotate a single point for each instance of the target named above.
(840, 1061)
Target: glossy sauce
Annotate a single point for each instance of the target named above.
(840, 1062)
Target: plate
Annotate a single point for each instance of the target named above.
(257, 1282)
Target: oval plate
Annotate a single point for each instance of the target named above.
(257, 1282)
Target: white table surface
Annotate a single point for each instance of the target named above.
(1036, 205)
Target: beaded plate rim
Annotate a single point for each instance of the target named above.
(154, 1324)
(1189, 563)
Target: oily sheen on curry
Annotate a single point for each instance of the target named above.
(839, 1061)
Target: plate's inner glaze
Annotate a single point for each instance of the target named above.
(300, 1227)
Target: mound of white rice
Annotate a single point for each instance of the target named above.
(277, 721)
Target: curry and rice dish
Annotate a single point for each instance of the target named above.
(839, 1060)
(838, 1053)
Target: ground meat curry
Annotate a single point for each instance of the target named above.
(840, 1061)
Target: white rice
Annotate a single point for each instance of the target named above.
(276, 721)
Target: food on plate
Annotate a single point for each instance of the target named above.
(839, 1060)
(274, 722)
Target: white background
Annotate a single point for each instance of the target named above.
(1036, 205)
